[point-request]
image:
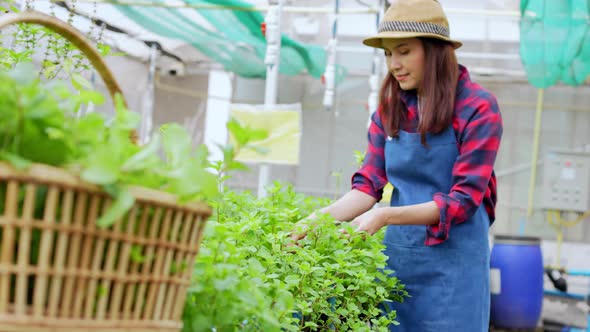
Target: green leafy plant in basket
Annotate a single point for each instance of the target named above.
(40, 126)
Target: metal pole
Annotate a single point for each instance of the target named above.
(330, 73)
(147, 113)
(245, 8)
(293, 9)
(272, 61)
(273, 52)
(375, 78)
(536, 142)
(91, 107)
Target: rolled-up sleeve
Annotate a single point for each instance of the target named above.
(479, 142)
(371, 177)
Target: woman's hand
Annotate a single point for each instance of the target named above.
(418, 214)
(352, 204)
(300, 229)
(370, 222)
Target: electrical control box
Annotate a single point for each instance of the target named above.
(566, 181)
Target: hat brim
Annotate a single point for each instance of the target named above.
(377, 40)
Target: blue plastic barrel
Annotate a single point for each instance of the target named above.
(516, 276)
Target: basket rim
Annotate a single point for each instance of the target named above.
(51, 175)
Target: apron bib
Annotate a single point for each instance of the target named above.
(449, 282)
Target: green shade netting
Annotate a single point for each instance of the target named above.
(236, 41)
(555, 41)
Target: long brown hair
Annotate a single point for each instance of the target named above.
(438, 88)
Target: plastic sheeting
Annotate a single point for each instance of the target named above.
(555, 41)
(233, 38)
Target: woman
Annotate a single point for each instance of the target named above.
(435, 138)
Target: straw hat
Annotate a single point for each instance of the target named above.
(413, 18)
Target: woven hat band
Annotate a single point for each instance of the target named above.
(404, 26)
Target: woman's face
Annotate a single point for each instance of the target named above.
(405, 61)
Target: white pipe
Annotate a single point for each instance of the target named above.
(147, 114)
(220, 90)
(321, 10)
(295, 9)
(253, 8)
(272, 61)
(516, 169)
(489, 56)
(273, 52)
(483, 12)
(91, 107)
(468, 55)
(330, 73)
(376, 70)
(479, 70)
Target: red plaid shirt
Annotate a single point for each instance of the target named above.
(478, 127)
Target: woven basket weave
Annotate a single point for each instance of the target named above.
(132, 276)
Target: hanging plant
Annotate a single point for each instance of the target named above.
(59, 56)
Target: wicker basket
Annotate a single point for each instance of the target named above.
(130, 277)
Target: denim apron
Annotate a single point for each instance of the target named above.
(449, 282)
